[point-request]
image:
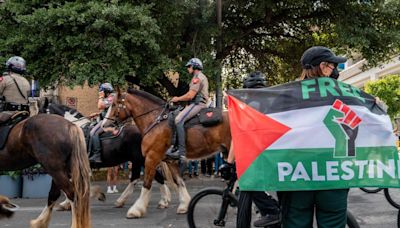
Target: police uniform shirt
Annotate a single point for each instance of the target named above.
(199, 84)
(107, 101)
(9, 89)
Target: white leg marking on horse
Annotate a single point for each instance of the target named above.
(74, 223)
(165, 196)
(44, 218)
(184, 197)
(126, 194)
(64, 206)
(139, 209)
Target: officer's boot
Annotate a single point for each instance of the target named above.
(96, 149)
(173, 146)
(181, 152)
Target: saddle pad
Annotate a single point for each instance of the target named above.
(210, 116)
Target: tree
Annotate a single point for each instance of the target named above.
(72, 42)
(387, 89)
(276, 33)
(107, 40)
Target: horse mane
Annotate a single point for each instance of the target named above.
(147, 96)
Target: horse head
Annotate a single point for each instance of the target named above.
(143, 107)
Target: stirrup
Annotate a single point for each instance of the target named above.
(174, 155)
(96, 160)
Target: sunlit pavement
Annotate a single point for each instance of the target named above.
(371, 210)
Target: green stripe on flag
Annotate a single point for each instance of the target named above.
(317, 169)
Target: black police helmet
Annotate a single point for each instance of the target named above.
(255, 80)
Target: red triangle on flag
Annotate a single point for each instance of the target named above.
(252, 132)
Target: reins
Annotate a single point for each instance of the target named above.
(162, 116)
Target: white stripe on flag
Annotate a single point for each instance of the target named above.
(309, 131)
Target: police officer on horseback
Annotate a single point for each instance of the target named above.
(105, 100)
(197, 96)
(14, 88)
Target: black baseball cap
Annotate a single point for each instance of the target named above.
(317, 54)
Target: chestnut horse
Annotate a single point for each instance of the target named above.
(150, 114)
(116, 150)
(59, 146)
(6, 207)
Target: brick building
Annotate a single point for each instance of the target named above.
(82, 98)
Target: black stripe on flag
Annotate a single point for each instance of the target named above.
(305, 94)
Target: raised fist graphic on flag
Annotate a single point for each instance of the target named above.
(342, 122)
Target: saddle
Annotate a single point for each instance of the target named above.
(7, 122)
(207, 117)
(103, 136)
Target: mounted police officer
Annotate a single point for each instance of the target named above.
(14, 88)
(197, 97)
(105, 100)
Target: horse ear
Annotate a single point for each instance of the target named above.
(118, 91)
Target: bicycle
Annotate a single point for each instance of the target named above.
(223, 216)
(226, 203)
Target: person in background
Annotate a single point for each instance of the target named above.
(206, 166)
(193, 168)
(105, 100)
(218, 161)
(268, 207)
(112, 178)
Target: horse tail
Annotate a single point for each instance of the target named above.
(80, 173)
(165, 169)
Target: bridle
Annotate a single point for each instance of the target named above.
(121, 106)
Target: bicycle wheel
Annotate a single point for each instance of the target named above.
(351, 221)
(205, 207)
(393, 198)
(371, 190)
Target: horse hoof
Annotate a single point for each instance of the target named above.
(181, 210)
(62, 208)
(119, 204)
(162, 205)
(102, 197)
(133, 215)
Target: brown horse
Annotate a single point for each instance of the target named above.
(59, 146)
(116, 150)
(6, 207)
(149, 113)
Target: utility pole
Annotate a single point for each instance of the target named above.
(218, 91)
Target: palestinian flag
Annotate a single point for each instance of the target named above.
(311, 135)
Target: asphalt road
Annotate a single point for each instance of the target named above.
(371, 210)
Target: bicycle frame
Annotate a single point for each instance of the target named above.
(227, 192)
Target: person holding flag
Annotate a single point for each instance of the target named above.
(330, 205)
(312, 139)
